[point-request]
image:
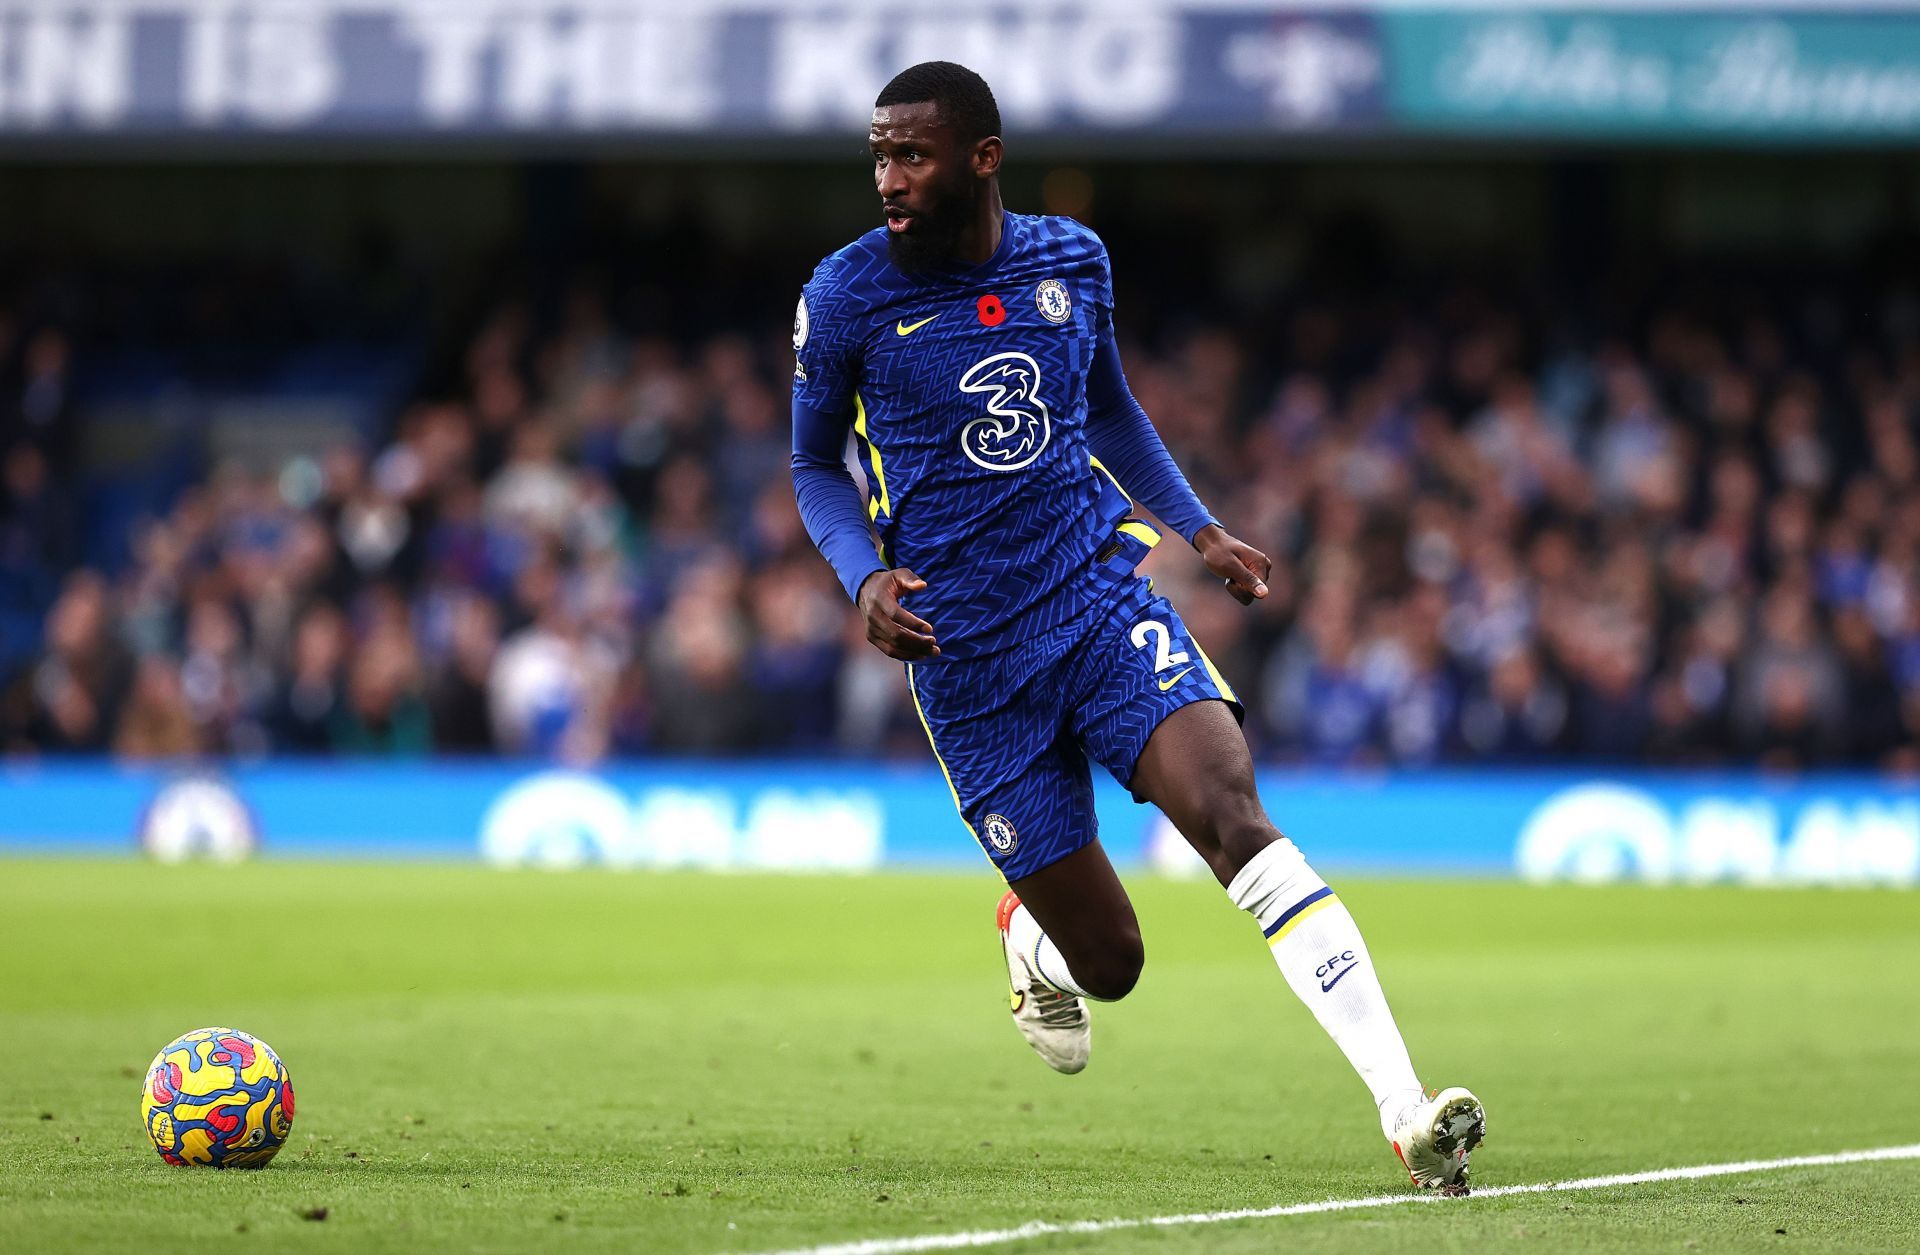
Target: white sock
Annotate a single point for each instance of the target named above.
(1320, 952)
(1041, 954)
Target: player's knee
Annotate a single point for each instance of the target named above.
(1232, 830)
(1113, 969)
(1245, 833)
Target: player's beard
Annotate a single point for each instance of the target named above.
(934, 239)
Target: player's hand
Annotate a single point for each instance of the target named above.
(1244, 568)
(894, 630)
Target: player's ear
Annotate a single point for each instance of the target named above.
(986, 157)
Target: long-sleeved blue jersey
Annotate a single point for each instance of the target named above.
(991, 418)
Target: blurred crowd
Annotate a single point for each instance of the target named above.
(1693, 537)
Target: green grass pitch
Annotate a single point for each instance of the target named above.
(496, 1061)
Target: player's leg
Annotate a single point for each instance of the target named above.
(1024, 791)
(1196, 769)
(1067, 930)
(1155, 722)
(1074, 923)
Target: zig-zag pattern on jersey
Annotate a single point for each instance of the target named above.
(1010, 728)
(1006, 553)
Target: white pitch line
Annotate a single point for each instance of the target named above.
(1045, 1228)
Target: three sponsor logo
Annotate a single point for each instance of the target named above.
(1016, 426)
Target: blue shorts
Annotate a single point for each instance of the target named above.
(1014, 730)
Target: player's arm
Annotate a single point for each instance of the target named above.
(1123, 438)
(836, 519)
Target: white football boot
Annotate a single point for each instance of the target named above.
(1055, 1024)
(1434, 1136)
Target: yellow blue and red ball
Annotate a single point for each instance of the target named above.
(217, 1097)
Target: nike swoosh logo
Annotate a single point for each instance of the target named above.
(904, 328)
(1173, 679)
(1336, 980)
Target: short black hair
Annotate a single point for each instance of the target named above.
(963, 98)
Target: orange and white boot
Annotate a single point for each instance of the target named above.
(1054, 1023)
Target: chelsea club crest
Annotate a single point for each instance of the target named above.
(1051, 297)
(999, 833)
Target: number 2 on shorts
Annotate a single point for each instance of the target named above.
(1162, 638)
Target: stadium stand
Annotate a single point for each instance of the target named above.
(1670, 519)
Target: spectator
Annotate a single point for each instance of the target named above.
(1519, 715)
(156, 722)
(384, 714)
(309, 699)
(462, 723)
(68, 701)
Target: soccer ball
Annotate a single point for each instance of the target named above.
(217, 1097)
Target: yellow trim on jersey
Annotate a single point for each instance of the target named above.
(1100, 466)
(1141, 531)
(1296, 921)
(1219, 681)
(879, 501)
